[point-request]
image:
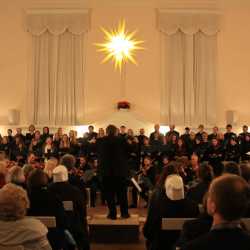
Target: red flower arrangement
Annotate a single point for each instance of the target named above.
(123, 105)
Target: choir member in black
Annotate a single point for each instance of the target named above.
(186, 136)
(113, 158)
(36, 144)
(19, 134)
(164, 163)
(64, 146)
(122, 131)
(56, 141)
(74, 145)
(134, 156)
(229, 134)
(5, 146)
(18, 150)
(200, 131)
(192, 171)
(197, 148)
(191, 143)
(156, 138)
(215, 155)
(101, 133)
(245, 148)
(45, 134)
(232, 152)
(141, 136)
(180, 149)
(214, 133)
(49, 149)
(60, 133)
(172, 132)
(30, 135)
(172, 146)
(204, 145)
(146, 149)
(10, 136)
(91, 135)
(242, 136)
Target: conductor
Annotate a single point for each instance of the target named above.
(112, 152)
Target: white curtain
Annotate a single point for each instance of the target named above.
(56, 93)
(189, 57)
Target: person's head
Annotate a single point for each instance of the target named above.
(48, 141)
(37, 179)
(14, 203)
(141, 131)
(83, 160)
(32, 128)
(174, 187)
(65, 138)
(50, 165)
(56, 137)
(214, 142)
(111, 130)
(215, 130)
(146, 141)
(204, 137)
(27, 169)
(245, 129)
(201, 128)
(91, 128)
(37, 135)
(123, 129)
(174, 139)
(9, 132)
(130, 132)
(5, 140)
(101, 132)
(232, 168)
(165, 160)
(206, 173)
(229, 128)
(157, 128)
(31, 158)
(147, 161)
(187, 130)
(68, 161)
(15, 175)
(60, 132)
(18, 131)
(46, 130)
(192, 136)
(170, 169)
(228, 198)
(172, 127)
(60, 174)
(180, 142)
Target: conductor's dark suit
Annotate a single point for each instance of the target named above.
(113, 156)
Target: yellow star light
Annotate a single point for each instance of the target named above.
(119, 45)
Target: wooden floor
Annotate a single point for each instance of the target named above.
(137, 246)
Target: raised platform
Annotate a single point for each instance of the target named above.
(103, 230)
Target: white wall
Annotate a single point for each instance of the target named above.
(143, 82)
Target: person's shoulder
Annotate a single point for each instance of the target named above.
(201, 243)
(33, 225)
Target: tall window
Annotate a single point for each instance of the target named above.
(57, 66)
(189, 65)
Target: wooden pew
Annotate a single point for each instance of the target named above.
(169, 224)
(48, 221)
(68, 206)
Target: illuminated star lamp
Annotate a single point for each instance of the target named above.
(119, 46)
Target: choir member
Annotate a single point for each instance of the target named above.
(229, 134)
(245, 148)
(214, 133)
(156, 138)
(232, 152)
(172, 132)
(200, 131)
(30, 135)
(123, 132)
(242, 136)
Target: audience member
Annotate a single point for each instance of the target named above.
(227, 203)
(15, 228)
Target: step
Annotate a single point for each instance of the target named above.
(103, 230)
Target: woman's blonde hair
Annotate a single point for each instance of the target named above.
(13, 202)
(50, 165)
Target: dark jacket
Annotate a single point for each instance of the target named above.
(45, 203)
(162, 207)
(113, 153)
(229, 239)
(194, 228)
(77, 219)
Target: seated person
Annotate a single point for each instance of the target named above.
(167, 201)
(232, 151)
(232, 168)
(227, 203)
(76, 219)
(43, 202)
(15, 227)
(205, 176)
